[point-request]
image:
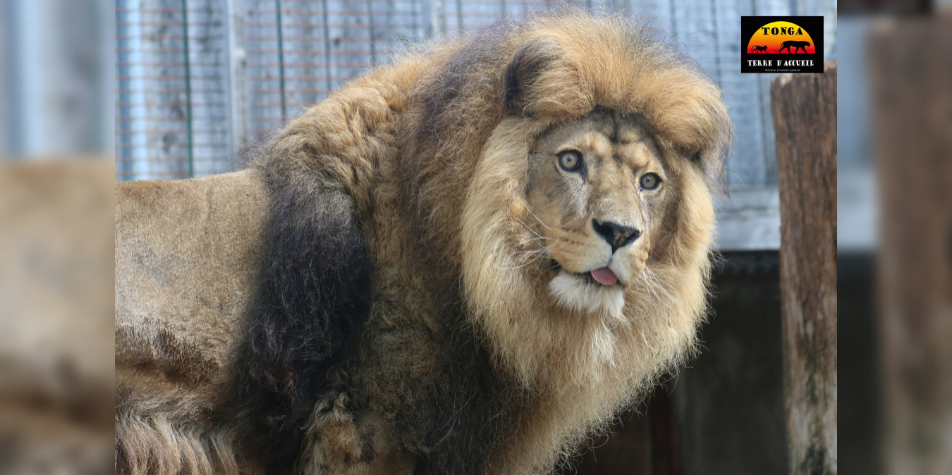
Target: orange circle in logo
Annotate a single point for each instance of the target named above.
(781, 37)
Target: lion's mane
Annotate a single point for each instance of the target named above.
(394, 325)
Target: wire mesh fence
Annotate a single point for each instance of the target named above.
(196, 79)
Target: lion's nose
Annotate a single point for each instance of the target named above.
(618, 236)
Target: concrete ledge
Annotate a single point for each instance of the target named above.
(750, 221)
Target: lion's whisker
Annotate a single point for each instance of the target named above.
(660, 285)
(534, 255)
(653, 286)
(541, 238)
(520, 266)
(539, 220)
(534, 232)
(538, 254)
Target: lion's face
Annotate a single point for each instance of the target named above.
(586, 215)
(597, 189)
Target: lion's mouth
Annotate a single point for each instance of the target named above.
(603, 276)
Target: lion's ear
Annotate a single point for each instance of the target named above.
(541, 80)
(527, 64)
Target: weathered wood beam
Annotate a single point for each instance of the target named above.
(804, 115)
(910, 74)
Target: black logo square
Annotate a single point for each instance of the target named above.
(781, 44)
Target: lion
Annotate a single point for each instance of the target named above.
(464, 262)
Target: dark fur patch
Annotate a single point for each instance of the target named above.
(471, 413)
(314, 298)
(455, 82)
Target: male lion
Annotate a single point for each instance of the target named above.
(464, 262)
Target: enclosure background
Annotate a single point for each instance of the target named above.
(197, 79)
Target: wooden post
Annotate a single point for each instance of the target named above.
(804, 115)
(912, 111)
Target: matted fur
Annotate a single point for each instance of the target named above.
(456, 356)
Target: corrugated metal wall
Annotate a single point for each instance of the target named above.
(197, 79)
(172, 83)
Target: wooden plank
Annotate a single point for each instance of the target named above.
(804, 115)
(237, 74)
(208, 104)
(665, 454)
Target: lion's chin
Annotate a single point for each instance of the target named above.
(577, 293)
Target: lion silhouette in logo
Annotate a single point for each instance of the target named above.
(759, 49)
(796, 45)
(460, 263)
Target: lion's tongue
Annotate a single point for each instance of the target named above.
(604, 276)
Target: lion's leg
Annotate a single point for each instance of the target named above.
(316, 289)
(340, 441)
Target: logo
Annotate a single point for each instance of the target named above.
(781, 44)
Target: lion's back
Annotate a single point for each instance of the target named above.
(188, 259)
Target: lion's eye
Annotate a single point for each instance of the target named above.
(650, 181)
(570, 161)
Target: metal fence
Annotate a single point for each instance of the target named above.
(196, 79)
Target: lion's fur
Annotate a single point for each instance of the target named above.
(187, 260)
(450, 356)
